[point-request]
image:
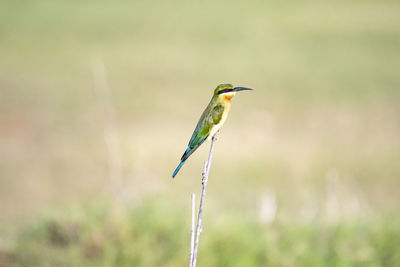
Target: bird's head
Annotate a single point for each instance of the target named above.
(227, 91)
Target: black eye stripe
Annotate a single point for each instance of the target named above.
(225, 91)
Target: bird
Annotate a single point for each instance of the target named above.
(213, 117)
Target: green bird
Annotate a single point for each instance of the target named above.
(211, 120)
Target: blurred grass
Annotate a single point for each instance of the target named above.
(319, 135)
(152, 235)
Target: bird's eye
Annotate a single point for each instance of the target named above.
(225, 90)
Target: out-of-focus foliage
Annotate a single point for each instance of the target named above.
(153, 235)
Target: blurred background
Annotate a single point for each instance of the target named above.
(99, 99)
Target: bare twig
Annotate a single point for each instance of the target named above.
(192, 232)
(204, 180)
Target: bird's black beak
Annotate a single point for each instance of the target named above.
(237, 89)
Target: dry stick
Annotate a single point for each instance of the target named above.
(204, 180)
(192, 232)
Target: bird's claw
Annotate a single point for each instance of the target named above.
(215, 137)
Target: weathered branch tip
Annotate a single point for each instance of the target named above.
(204, 180)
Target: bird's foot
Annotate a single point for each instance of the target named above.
(215, 137)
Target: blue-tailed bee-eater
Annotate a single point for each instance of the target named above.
(211, 120)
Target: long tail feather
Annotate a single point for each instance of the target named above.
(178, 168)
(189, 151)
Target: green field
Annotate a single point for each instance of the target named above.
(305, 171)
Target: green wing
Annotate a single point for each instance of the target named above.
(211, 116)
